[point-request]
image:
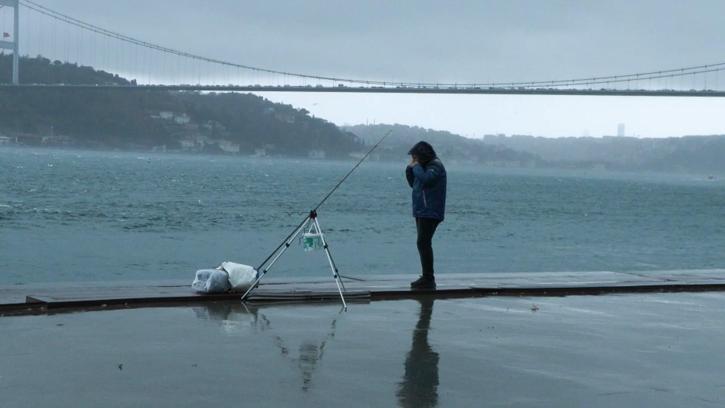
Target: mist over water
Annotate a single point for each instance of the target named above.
(93, 216)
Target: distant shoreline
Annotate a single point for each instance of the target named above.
(545, 171)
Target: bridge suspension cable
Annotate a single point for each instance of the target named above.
(122, 37)
(557, 83)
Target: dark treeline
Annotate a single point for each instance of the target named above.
(135, 119)
(452, 147)
(689, 154)
(41, 70)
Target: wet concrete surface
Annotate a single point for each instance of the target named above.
(40, 298)
(643, 350)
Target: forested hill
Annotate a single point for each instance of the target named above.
(172, 121)
(449, 146)
(693, 154)
(686, 154)
(44, 71)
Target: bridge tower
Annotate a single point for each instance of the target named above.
(14, 44)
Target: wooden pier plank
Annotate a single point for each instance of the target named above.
(126, 294)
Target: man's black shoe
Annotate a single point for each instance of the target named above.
(424, 282)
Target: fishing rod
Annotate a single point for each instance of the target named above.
(317, 207)
(312, 215)
(375, 146)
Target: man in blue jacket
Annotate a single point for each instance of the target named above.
(427, 176)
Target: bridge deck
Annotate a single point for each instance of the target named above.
(25, 299)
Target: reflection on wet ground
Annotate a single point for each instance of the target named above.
(419, 387)
(629, 350)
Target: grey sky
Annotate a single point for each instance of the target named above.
(444, 41)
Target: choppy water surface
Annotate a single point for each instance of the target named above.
(69, 216)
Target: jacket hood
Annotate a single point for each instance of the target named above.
(423, 151)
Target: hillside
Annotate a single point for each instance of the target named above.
(699, 154)
(232, 123)
(170, 121)
(453, 148)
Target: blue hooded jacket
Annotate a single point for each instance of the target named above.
(429, 182)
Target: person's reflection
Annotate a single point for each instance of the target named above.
(419, 387)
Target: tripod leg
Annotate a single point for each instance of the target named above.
(269, 265)
(335, 273)
(334, 266)
(326, 247)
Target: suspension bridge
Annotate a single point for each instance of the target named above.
(154, 66)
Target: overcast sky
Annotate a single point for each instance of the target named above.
(447, 41)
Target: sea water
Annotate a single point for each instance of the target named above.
(100, 216)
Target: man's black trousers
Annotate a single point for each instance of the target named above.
(426, 228)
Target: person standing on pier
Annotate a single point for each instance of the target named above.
(426, 175)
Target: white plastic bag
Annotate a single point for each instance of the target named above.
(211, 281)
(240, 276)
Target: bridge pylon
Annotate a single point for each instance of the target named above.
(13, 44)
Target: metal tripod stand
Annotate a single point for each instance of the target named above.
(312, 223)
